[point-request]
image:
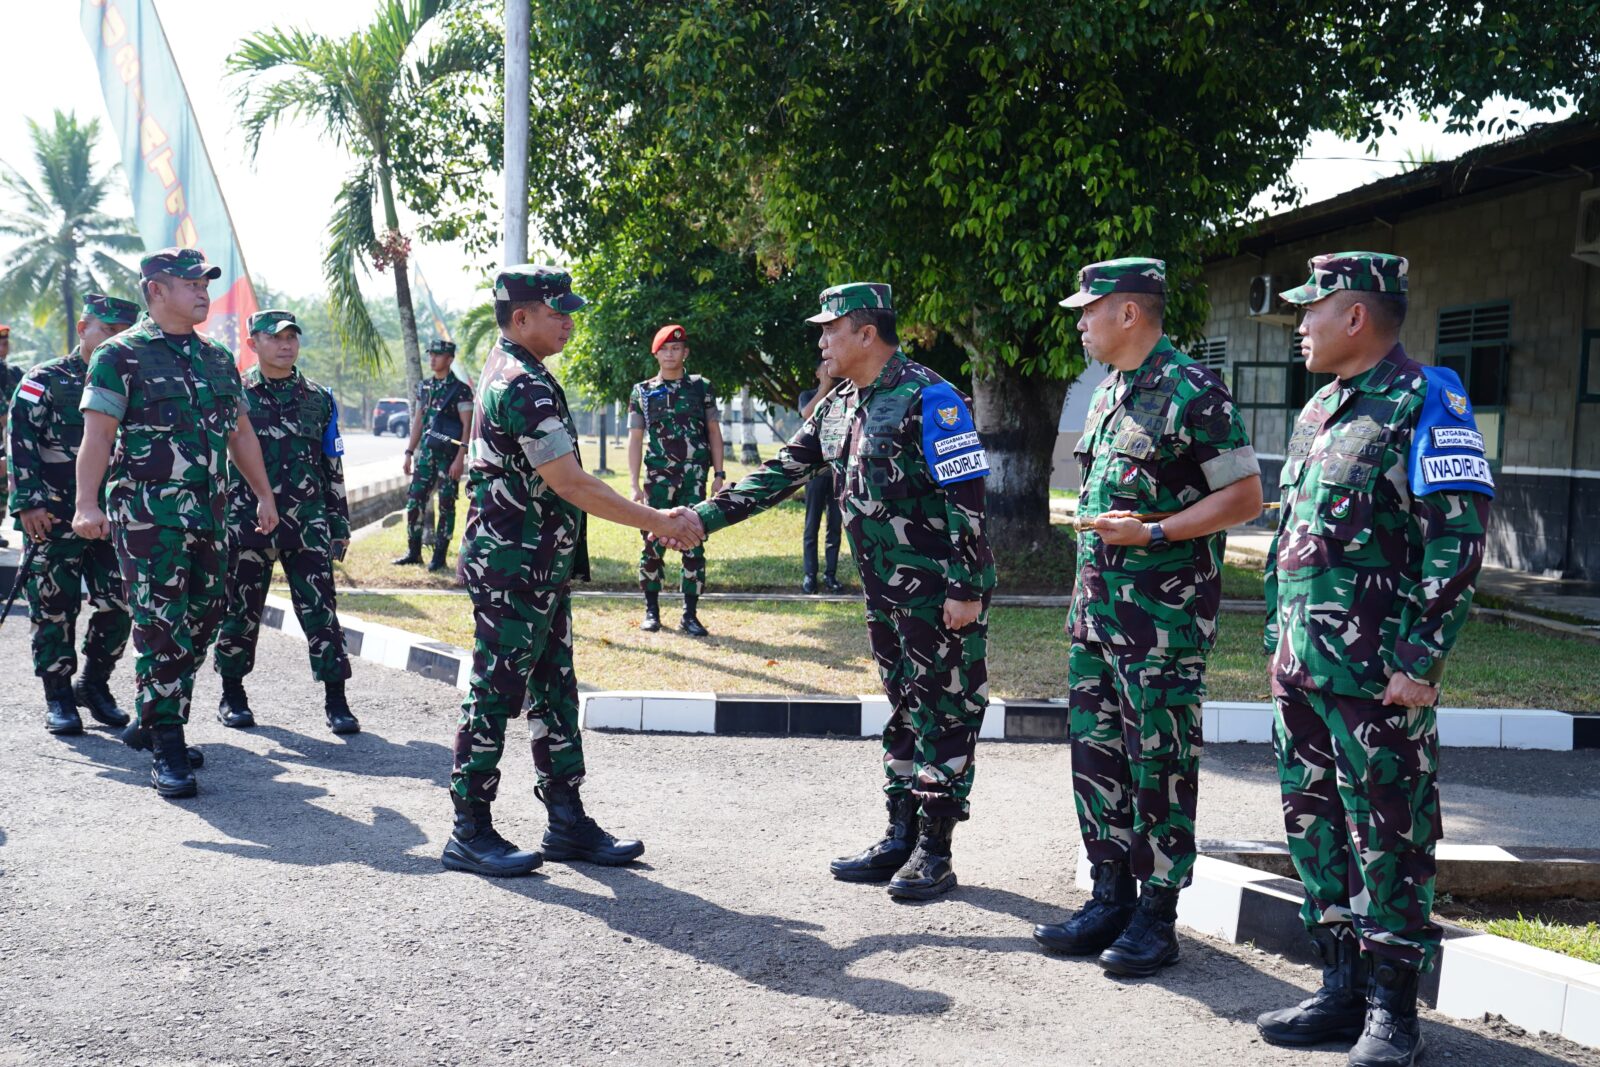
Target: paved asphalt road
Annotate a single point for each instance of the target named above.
(369, 459)
(296, 913)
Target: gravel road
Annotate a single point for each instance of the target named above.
(296, 913)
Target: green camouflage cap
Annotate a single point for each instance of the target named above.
(1129, 275)
(1363, 272)
(441, 347)
(274, 322)
(110, 310)
(178, 262)
(531, 281)
(840, 300)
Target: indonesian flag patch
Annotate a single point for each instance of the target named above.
(31, 390)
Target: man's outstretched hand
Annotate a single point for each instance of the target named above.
(679, 529)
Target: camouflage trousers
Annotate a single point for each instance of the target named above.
(431, 468)
(1361, 811)
(61, 568)
(174, 583)
(1134, 718)
(521, 651)
(937, 682)
(671, 488)
(310, 575)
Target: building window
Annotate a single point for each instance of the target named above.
(1270, 397)
(1212, 353)
(1589, 373)
(1474, 340)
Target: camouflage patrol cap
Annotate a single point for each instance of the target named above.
(1362, 272)
(531, 281)
(840, 300)
(110, 310)
(274, 322)
(441, 347)
(1129, 275)
(178, 262)
(667, 335)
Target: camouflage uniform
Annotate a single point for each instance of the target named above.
(521, 547)
(297, 423)
(438, 408)
(674, 415)
(909, 472)
(176, 399)
(1381, 534)
(1157, 439)
(46, 431)
(10, 378)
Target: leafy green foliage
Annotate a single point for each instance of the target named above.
(67, 238)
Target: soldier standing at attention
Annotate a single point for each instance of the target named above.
(1162, 436)
(674, 430)
(46, 430)
(1386, 494)
(440, 416)
(821, 502)
(297, 424)
(9, 377)
(909, 471)
(169, 400)
(522, 545)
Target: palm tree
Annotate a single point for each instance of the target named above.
(66, 236)
(360, 89)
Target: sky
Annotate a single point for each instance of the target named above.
(280, 204)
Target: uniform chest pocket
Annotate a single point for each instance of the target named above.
(165, 400)
(831, 434)
(309, 418)
(881, 473)
(1129, 483)
(68, 414)
(1343, 515)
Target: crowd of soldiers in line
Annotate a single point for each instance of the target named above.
(1380, 536)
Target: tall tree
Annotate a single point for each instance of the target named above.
(362, 89)
(975, 153)
(67, 236)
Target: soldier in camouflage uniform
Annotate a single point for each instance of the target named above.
(1162, 438)
(169, 400)
(46, 429)
(440, 414)
(297, 424)
(9, 378)
(909, 473)
(674, 433)
(1385, 493)
(522, 545)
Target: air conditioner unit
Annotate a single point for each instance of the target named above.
(1264, 303)
(1586, 244)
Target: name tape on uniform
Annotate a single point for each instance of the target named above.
(961, 466)
(1436, 469)
(1457, 437)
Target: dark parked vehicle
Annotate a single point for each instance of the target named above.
(391, 415)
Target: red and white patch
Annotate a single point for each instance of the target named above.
(1129, 475)
(31, 390)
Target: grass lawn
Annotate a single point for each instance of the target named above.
(820, 647)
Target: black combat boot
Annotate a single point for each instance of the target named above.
(652, 613)
(170, 772)
(440, 548)
(137, 738)
(92, 690)
(476, 846)
(690, 623)
(1094, 927)
(574, 836)
(341, 720)
(1392, 1036)
(233, 710)
(60, 710)
(413, 552)
(927, 871)
(1150, 942)
(881, 859)
(808, 584)
(831, 584)
(1338, 1009)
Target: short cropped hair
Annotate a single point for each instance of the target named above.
(504, 309)
(882, 318)
(1153, 305)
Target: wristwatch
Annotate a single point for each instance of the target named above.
(718, 474)
(1158, 536)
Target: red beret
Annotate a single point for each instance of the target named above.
(666, 335)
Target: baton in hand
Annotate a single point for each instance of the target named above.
(22, 576)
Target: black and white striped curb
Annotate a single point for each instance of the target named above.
(1476, 973)
(865, 715)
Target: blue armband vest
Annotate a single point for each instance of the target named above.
(1448, 451)
(950, 444)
